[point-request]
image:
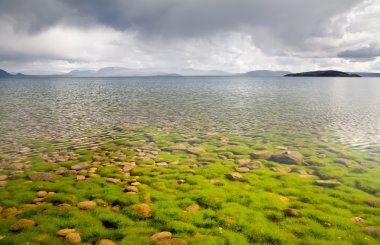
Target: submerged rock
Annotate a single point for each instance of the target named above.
(181, 181)
(357, 220)
(162, 164)
(81, 166)
(73, 238)
(86, 205)
(112, 180)
(235, 176)
(131, 189)
(65, 232)
(41, 176)
(196, 150)
(161, 236)
(371, 230)
(254, 165)
(288, 157)
(291, 212)
(242, 169)
(22, 224)
(80, 177)
(193, 207)
(244, 161)
(261, 154)
(3, 183)
(41, 194)
(177, 147)
(143, 210)
(105, 242)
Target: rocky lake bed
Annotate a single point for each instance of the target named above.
(155, 186)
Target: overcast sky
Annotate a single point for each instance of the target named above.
(47, 36)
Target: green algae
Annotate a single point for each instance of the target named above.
(250, 211)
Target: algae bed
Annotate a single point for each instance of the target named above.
(209, 180)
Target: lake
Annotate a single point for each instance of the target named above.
(65, 109)
(190, 160)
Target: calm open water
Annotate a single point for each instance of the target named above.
(70, 110)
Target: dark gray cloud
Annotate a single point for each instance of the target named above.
(370, 52)
(289, 20)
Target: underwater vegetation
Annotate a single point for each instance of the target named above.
(145, 185)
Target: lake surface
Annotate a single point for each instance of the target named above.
(79, 110)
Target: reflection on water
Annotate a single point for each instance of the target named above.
(75, 110)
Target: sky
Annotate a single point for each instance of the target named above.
(51, 36)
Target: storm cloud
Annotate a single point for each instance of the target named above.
(209, 34)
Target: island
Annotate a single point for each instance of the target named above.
(329, 73)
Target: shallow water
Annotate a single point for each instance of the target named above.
(78, 110)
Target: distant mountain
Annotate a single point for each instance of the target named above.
(368, 74)
(265, 73)
(126, 72)
(5, 74)
(329, 73)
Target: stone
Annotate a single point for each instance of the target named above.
(173, 241)
(3, 183)
(41, 176)
(17, 166)
(244, 161)
(177, 147)
(216, 182)
(86, 205)
(105, 242)
(72, 172)
(22, 224)
(358, 220)
(65, 232)
(371, 230)
(283, 148)
(112, 180)
(254, 165)
(41, 194)
(281, 169)
(162, 164)
(193, 207)
(196, 150)
(328, 183)
(83, 172)
(181, 181)
(131, 189)
(80, 177)
(242, 169)
(73, 238)
(321, 155)
(38, 200)
(261, 154)
(235, 176)
(288, 157)
(372, 203)
(3, 177)
(81, 166)
(291, 212)
(92, 170)
(161, 236)
(143, 210)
